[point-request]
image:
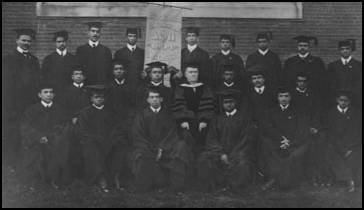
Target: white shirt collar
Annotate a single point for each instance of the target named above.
(261, 88)
(91, 43)
(303, 56)
(60, 52)
(98, 107)
(46, 105)
(130, 47)
(191, 48)
(21, 50)
(77, 85)
(155, 110)
(225, 52)
(341, 110)
(228, 85)
(156, 83)
(263, 52)
(231, 113)
(192, 85)
(284, 107)
(301, 91)
(343, 60)
(119, 83)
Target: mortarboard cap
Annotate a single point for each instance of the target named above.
(227, 67)
(62, 33)
(136, 31)
(157, 64)
(283, 89)
(77, 67)
(265, 35)
(95, 24)
(25, 31)
(229, 37)
(256, 70)
(348, 42)
(194, 30)
(118, 61)
(192, 65)
(45, 85)
(344, 92)
(96, 89)
(306, 39)
(229, 94)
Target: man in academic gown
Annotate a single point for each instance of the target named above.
(226, 57)
(346, 73)
(20, 79)
(57, 66)
(229, 152)
(266, 58)
(160, 156)
(133, 57)
(94, 56)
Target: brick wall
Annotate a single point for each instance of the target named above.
(329, 21)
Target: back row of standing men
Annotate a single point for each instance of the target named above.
(225, 70)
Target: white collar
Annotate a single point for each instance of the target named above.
(119, 83)
(155, 110)
(303, 56)
(191, 85)
(91, 43)
(98, 107)
(225, 52)
(343, 60)
(261, 88)
(21, 50)
(228, 85)
(284, 107)
(46, 105)
(263, 52)
(301, 91)
(131, 47)
(77, 85)
(191, 48)
(341, 110)
(156, 83)
(61, 52)
(231, 113)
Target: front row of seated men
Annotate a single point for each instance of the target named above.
(272, 133)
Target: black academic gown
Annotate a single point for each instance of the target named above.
(201, 57)
(97, 62)
(135, 64)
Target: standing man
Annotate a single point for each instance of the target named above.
(21, 77)
(266, 58)
(192, 53)
(345, 73)
(57, 66)
(133, 57)
(224, 57)
(94, 56)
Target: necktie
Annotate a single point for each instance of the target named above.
(26, 54)
(93, 45)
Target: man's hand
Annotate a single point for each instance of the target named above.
(224, 158)
(201, 126)
(74, 120)
(43, 140)
(159, 155)
(348, 153)
(185, 125)
(313, 131)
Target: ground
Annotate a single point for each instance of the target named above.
(79, 195)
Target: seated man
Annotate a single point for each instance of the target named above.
(44, 146)
(344, 155)
(158, 150)
(229, 150)
(285, 143)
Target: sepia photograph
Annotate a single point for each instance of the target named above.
(182, 104)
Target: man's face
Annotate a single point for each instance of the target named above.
(284, 98)
(343, 101)
(228, 76)
(78, 77)
(132, 39)
(94, 34)
(191, 38)
(24, 42)
(345, 51)
(229, 105)
(46, 95)
(225, 44)
(301, 82)
(119, 71)
(191, 74)
(98, 99)
(262, 43)
(156, 74)
(154, 100)
(303, 48)
(258, 80)
(61, 43)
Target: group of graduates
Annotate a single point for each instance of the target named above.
(219, 123)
